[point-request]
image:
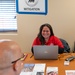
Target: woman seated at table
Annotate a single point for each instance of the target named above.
(47, 37)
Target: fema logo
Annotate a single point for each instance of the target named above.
(31, 2)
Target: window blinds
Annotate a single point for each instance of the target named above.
(8, 21)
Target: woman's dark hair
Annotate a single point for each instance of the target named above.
(40, 32)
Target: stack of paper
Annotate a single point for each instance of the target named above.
(70, 72)
(52, 71)
(33, 69)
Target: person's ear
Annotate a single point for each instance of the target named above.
(14, 66)
(18, 66)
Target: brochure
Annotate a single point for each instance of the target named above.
(33, 69)
(52, 71)
(70, 72)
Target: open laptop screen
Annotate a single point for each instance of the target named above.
(45, 52)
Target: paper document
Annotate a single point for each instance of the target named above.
(70, 72)
(33, 69)
(52, 71)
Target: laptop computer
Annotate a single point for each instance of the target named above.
(45, 52)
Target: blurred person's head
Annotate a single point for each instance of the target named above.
(10, 55)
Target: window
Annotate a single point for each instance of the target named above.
(8, 20)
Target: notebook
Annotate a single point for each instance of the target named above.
(45, 52)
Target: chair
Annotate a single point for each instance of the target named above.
(74, 48)
(66, 45)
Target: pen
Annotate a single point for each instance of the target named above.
(31, 56)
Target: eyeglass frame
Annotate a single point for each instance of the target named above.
(22, 58)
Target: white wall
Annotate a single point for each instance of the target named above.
(61, 15)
